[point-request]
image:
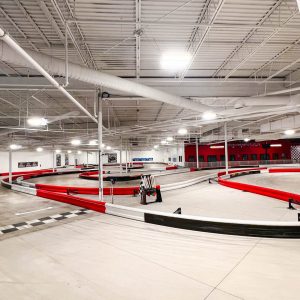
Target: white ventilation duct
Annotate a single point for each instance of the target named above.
(57, 66)
(281, 125)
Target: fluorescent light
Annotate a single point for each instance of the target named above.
(182, 131)
(57, 150)
(216, 147)
(298, 3)
(108, 148)
(79, 152)
(175, 60)
(76, 142)
(170, 139)
(39, 149)
(289, 132)
(37, 122)
(15, 147)
(156, 147)
(93, 142)
(246, 139)
(209, 115)
(275, 145)
(163, 142)
(69, 151)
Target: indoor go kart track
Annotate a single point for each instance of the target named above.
(137, 254)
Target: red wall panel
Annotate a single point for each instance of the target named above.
(239, 148)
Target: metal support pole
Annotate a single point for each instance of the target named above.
(126, 166)
(121, 167)
(100, 146)
(53, 161)
(10, 166)
(197, 153)
(226, 148)
(87, 159)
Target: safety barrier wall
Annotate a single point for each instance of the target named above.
(213, 225)
(269, 192)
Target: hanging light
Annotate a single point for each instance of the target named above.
(37, 122)
(182, 131)
(289, 132)
(93, 142)
(69, 151)
(156, 146)
(246, 139)
(76, 142)
(209, 115)
(79, 152)
(15, 147)
(163, 142)
(57, 150)
(170, 139)
(175, 60)
(39, 149)
(108, 148)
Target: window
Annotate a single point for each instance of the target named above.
(169, 158)
(264, 157)
(191, 158)
(180, 158)
(232, 157)
(222, 157)
(245, 157)
(201, 158)
(275, 156)
(254, 156)
(211, 158)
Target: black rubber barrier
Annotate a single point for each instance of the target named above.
(269, 231)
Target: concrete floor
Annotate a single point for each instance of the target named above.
(106, 257)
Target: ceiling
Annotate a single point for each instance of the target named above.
(245, 65)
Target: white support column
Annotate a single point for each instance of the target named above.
(53, 161)
(10, 167)
(121, 146)
(226, 148)
(126, 157)
(197, 153)
(87, 158)
(99, 146)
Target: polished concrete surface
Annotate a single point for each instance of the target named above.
(105, 257)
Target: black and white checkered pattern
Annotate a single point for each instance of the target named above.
(43, 221)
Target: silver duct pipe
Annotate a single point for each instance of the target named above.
(27, 59)
(57, 66)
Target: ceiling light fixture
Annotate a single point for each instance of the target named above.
(170, 139)
(289, 132)
(275, 145)
(93, 142)
(79, 152)
(15, 147)
(57, 150)
(246, 139)
(209, 115)
(217, 147)
(163, 142)
(175, 60)
(39, 149)
(37, 122)
(182, 131)
(156, 147)
(108, 148)
(69, 151)
(76, 142)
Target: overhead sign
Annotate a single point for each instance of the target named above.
(29, 164)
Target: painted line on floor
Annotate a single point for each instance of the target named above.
(42, 221)
(32, 211)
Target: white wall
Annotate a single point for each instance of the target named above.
(44, 159)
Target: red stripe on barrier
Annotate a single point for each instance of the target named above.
(82, 202)
(28, 172)
(131, 190)
(171, 168)
(283, 170)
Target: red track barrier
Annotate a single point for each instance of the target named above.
(283, 170)
(131, 190)
(89, 204)
(171, 168)
(241, 170)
